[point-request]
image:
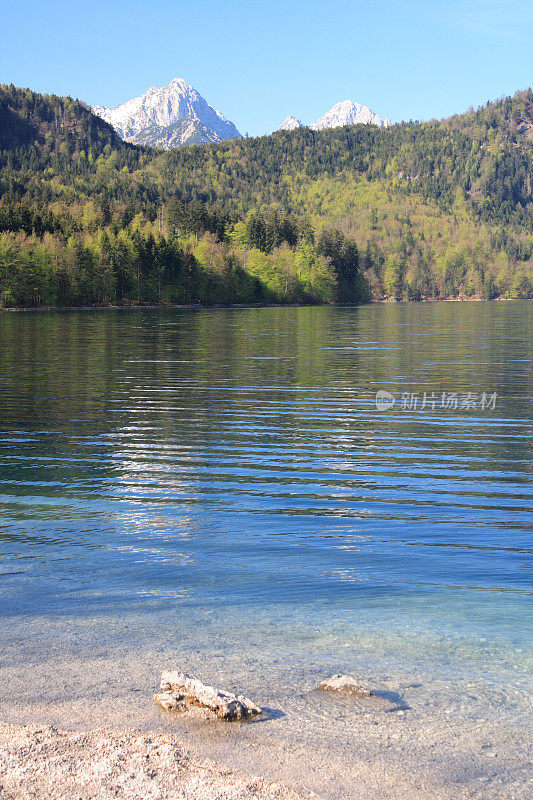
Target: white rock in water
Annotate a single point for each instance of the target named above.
(344, 684)
(179, 691)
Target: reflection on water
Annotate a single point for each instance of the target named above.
(218, 486)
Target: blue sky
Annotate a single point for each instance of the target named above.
(260, 61)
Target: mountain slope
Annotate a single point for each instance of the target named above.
(187, 130)
(484, 155)
(28, 118)
(147, 119)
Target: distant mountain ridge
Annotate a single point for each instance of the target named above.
(176, 115)
(169, 116)
(347, 112)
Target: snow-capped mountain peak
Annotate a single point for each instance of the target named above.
(290, 123)
(348, 112)
(148, 118)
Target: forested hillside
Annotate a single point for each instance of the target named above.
(432, 210)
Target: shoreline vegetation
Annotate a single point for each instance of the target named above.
(206, 307)
(416, 211)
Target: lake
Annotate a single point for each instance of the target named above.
(216, 490)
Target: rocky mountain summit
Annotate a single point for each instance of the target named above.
(349, 113)
(290, 123)
(345, 113)
(169, 116)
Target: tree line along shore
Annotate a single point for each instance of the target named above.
(425, 211)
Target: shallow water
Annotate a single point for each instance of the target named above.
(216, 490)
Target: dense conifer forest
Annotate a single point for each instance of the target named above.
(418, 211)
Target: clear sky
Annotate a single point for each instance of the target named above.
(260, 61)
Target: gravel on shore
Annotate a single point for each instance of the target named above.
(43, 762)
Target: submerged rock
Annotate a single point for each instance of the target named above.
(180, 691)
(344, 685)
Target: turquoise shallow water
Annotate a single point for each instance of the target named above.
(218, 488)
